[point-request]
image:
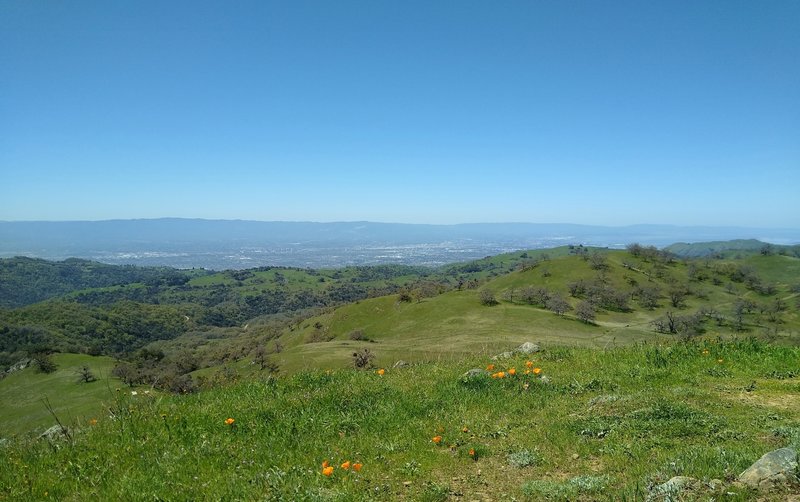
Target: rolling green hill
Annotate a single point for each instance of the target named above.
(23, 394)
(753, 296)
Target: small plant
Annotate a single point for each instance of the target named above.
(358, 336)
(567, 490)
(523, 458)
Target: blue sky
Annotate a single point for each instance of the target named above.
(613, 113)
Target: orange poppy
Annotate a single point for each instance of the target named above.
(536, 371)
(345, 465)
(357, 466)
(512, 371)
(381, 371)
(325, 464)
(229, 421)
(93, 421)
(437, 439)
(327, 471)
(529, 363)
(490, 367)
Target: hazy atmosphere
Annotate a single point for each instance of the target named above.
(604, 113)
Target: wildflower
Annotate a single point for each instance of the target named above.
(705, 352)
(93, 421)
(381, 371)
(529, 364)
(512, 371)
(357, 466)
(527, 372)
(134, 393)
(464, 429)
(473, 454)
(720, 360)
(501, 374)
(537, 371)
(327, 471)
(345, 465)
(229, 421)
(436, 439)
(490, 367)
(325, 464)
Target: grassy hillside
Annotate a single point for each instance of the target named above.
(730, 248)
(23, 394)
(454, 323)
(602, 425)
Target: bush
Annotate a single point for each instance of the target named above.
(44, 363)
(362, 359)
(487, 297)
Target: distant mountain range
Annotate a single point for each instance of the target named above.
(220, 244)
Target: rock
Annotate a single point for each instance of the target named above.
(528, 348)
(400, 364)
(671, 489)
(20, 365)
(774, 469)
(54, 432)
(503, 355)
(606, 398)
(474, 373)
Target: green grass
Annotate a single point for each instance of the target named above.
(455, 323)
(607, 425)
(22, 394)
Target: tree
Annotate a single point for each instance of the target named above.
(557, 304)
(487, 297)
(585, 312)
(677, 297)
(648, 297)
(362, 359)
(597, 261)
(85, 374)
(44, 363)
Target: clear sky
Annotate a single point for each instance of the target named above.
(596, 112)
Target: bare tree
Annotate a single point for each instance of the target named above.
(557, 304)
(585, 312)
(487, 297)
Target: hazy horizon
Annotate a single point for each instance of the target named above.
(613, 113)
(365, 221)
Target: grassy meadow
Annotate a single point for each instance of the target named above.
(602, 425)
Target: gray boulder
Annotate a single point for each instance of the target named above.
(474, 373)
(528, 348)
(774, 469)
(503, 355)
(55, 432)
(671, 490)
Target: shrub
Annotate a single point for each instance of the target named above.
(362, 359)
